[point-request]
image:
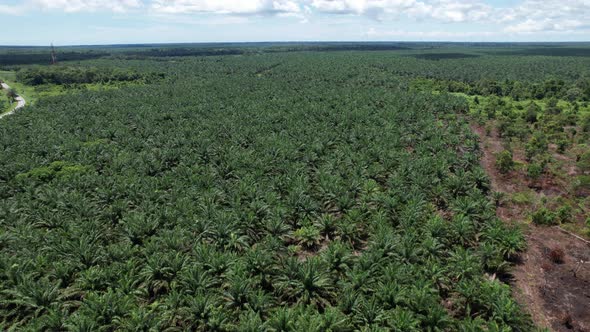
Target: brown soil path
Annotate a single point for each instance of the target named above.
(552, 278)
(20, 102)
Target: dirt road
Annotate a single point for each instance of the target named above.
(20, 102)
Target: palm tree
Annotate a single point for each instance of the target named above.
(104, 308)
(326, 223)
(193, 278)
(30, 298)
(463, 264)
(391, 294)
(401, 320)
(260, 301)
(369, 312)
(139, 227)
(138, 319)
(249, 321)
(199, 310)
(463, 230)
(237, 243)
(310, 284)
(276, 227)
(333, 319)
(160, 270)
(337, 257)
(261, 266)
(348, 300)
(508, 240)
(238, 288)
(281, 319)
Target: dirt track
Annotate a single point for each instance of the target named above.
(20, 102)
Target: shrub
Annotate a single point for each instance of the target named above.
(498, 198)
(12, 95)
(504, 162)
(574, 94)
(488, 130)
(523, 197)
(535, 170)
(543, 217)
(562, 145)
(53, 170)
(537, 145)
(585, 123)
(581, 185)
(584, 162)
(531, 112)
(564, 214)
(556, 255)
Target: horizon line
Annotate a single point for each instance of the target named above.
(301, 42)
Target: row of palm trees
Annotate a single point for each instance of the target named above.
(298, 200)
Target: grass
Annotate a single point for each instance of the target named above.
(576, 229)
(523, 198)
(5, 104)
(27, 92)
(32, 94)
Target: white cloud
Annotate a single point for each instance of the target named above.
(440, 10)
(545, 25)
(71, 6)
(375, 34)
(547, 16)
(460, 11)
(234, 7)
(518, 17)
(12, 9)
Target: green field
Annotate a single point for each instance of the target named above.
(274, 188)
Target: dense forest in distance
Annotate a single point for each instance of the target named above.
(296, 187)
(12, 55)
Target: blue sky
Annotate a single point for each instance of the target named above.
(79, 22)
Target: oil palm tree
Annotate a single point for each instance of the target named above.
(402, 320)
(337, 257)
(29, 299)
(310, 284)
(369, 312)
(160, 271)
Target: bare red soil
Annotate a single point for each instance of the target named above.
(552, 278)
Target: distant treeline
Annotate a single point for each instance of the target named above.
(336, 47)
(444, 56)
(24, 58)
(27, 56)
(62, 75)
(174, 52)
(547, 51)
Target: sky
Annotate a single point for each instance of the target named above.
(91, 22)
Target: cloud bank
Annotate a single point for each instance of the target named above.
(518, 17)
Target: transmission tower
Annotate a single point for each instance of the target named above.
(53, 55)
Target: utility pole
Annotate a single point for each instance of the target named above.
(53, 55)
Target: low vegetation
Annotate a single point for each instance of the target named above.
(67, 75)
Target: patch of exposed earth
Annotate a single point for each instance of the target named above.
(552, 278)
